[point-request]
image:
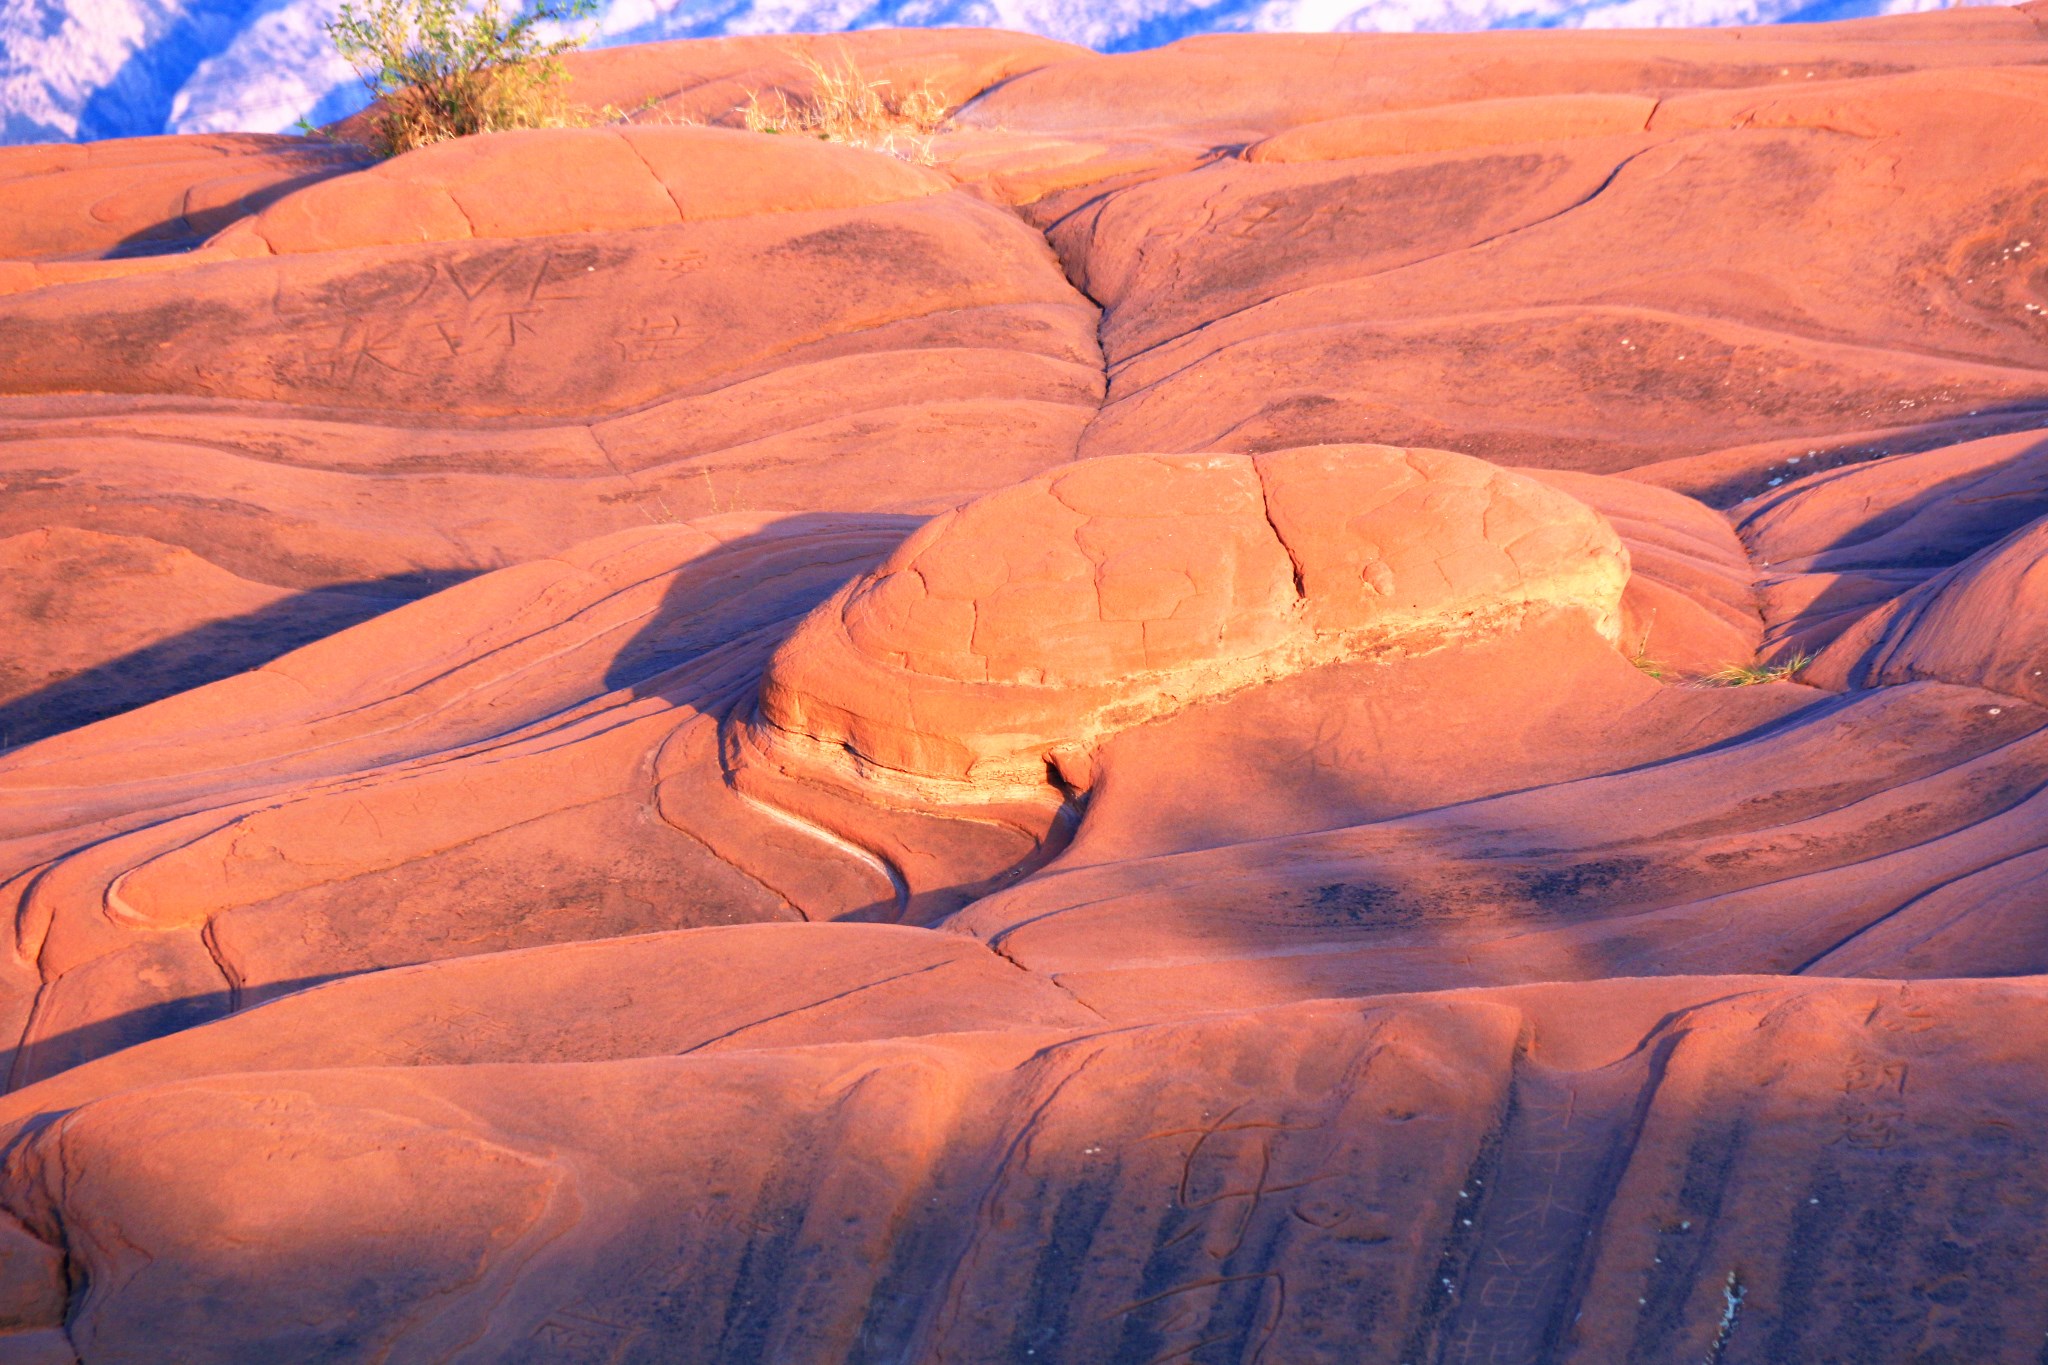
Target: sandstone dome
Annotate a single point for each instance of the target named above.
(1032, 622)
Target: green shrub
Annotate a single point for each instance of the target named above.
(438, 70)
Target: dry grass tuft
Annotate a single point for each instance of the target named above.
(1641, 658)
(1749, 675)
(845, 106)
(1659, 671)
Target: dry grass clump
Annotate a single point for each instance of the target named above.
(1749, 675)
(1654, 667)
(845, 106)
(1728, 675)
(1641, 658)
(438, 70)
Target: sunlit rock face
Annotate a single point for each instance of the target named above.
(1033, 623)
(1297, 698)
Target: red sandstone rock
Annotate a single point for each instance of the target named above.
(1027, 626)
(580, 382)
(1687, 276)
(1979, 623)
(548, 182)
(132, 196)
(655, 808)
(1315, 1180)
(1691, 603)
(1453, 127)
(80, 649)
(209, 850)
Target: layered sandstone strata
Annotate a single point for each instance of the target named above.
(1222, 892)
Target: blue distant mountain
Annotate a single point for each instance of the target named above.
(84, 69)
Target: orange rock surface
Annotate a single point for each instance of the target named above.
(1127, 738)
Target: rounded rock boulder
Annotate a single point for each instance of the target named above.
(1004, 639)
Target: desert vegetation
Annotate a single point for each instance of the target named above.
(1750, 675)
(438, 71)
(845, 105)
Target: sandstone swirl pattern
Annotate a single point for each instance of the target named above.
(652, 744)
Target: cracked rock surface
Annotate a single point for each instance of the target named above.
(1114, 591)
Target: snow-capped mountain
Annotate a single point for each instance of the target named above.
(82, 69)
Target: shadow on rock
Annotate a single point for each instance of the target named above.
(214, 651)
